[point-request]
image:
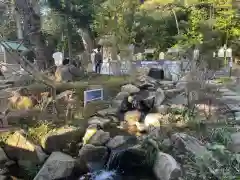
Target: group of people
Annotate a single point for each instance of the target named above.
(68, 71)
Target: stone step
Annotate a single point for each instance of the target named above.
(234, 107)
(237, 98)
(230, 93)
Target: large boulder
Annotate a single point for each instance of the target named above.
(184, 143)
(159, 97)
(92, 158)
(166, 167)
(93, 107)
(130, 161)
(130, 88)
(103, 122)
(57, 140)
(18, 147)
(57, 166)
(21, 116)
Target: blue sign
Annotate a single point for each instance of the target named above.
(93, 95)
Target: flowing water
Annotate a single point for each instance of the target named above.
(119, 167)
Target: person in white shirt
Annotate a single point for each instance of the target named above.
(93, 60)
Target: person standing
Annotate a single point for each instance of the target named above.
(98, 61)
(93, 59)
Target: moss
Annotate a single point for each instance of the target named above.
(39, 131)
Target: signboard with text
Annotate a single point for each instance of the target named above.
(93, 95)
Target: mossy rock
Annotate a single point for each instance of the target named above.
(93, 107)
(59, 139)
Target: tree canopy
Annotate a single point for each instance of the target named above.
(208, 24)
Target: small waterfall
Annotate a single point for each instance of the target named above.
(101, 175)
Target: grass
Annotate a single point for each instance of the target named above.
(224, 80)
(103, 80)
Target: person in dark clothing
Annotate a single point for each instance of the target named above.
(65, 61)
(126, 105)
(135, 102)
(98, 61)
(144, 106)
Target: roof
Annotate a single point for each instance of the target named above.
(14, 45)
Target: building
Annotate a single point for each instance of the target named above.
(9, 59)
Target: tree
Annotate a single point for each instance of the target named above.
(78, 17)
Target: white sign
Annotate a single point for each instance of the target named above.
(221, 52)
(58, 58)
(161, 55)
(229, 52)
(149, 51)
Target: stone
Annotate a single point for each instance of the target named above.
(121, 95)
(152, 119)
(237, 117)
(179, 100)
(167, 143)
(129, 88)
(166, 167)
(234, 107)
(59, 139)
(22, 80)
(103, 122)
(19, 147)
(162, 109)
(230, 93)
(184, 142)
(160, 97)
(57, 166)
(3, 156)
(108, 111)
(235, 143)
(131, 117)
(122, 142)
(172, 92)
(166, 83)
(93, 107)
(20, 116)
(116, 103)
(96, 136)
(236, 98)
(92, 158)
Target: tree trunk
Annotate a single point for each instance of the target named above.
(176, 20)
(87, 42)
(19, 26)
(69, 37)
(32, 30)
